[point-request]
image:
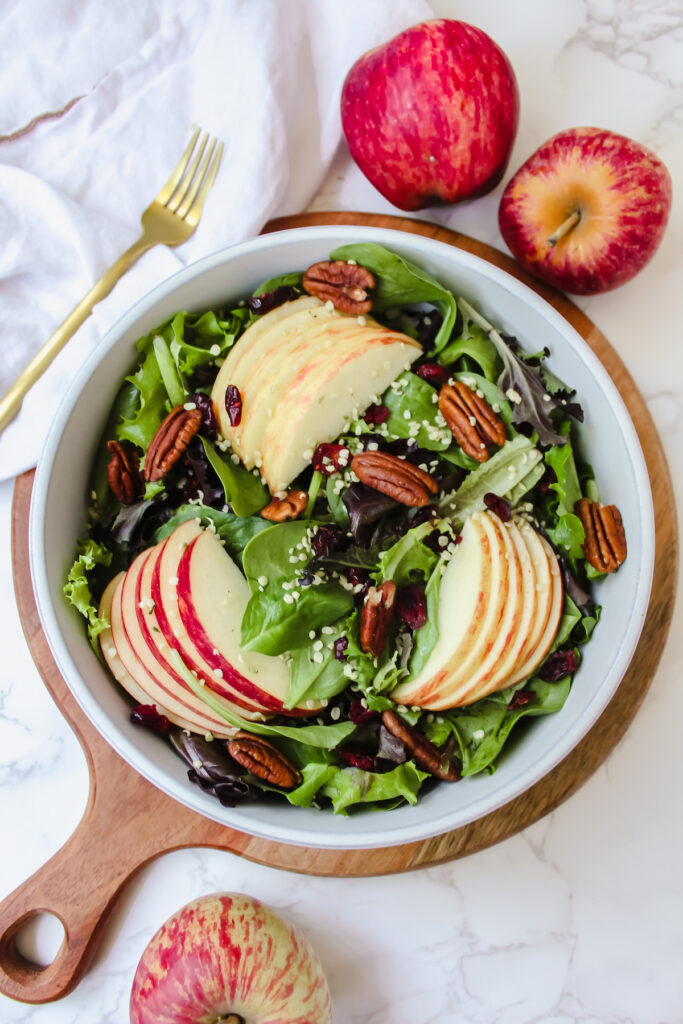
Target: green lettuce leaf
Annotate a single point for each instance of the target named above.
(141, 425)
(501, 475)
(410, 392)
(348, 787)
(315, 680)
(77, 587)
(474, 344)
(408, 560)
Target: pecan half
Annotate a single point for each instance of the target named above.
(343, 284)
(170, 441)
(263, 760)
(289, 505)
(375, 618)
(471, 420)
(423, 752)
(123, 472)
(605, 544)
(394, 477)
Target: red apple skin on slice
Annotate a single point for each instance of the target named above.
(166, 630)
(544, 592)
(139, 600)
(212, 595)
(117, 668)
(183, 703)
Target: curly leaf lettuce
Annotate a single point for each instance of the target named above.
(348, 787)
(77, 587)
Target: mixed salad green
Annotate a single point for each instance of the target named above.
(351, 537)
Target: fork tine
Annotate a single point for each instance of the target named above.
(195, 212)
(184, 207)
(172, 183)
(187, 177)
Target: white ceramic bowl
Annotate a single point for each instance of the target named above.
(58, 517)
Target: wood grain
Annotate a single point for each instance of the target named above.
(118, 793)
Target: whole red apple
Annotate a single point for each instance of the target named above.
(431, 115)
(228, 957)
(587, 210)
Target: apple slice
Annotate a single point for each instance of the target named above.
(471, 602)
(483, 666)
(212, 594)
(179, 702)
(544, 596)
(117, 668)
(540, 651)
(143, 617)
(302, 376)
(518, 637)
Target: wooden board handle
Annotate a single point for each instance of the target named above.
(80, 886)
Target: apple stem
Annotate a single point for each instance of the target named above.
(231, 1018)
(565, 227)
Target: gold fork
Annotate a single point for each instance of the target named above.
(169, 220)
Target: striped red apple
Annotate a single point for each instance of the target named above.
(587, 210)
(431, 115)
(229, 958)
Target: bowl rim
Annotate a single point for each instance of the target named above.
(524, 778)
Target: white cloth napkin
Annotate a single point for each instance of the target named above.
(97, 105)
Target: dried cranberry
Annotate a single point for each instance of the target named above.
(433, 373)
(424, 514)
(330, 458)
(557, 666)
(203, 402)
(233, 405)
(376, 414)
(499, 506)
(360, 715)
(520, 699)
(359, 577)
(148, 716)
(363, 761)
(549, 477)
(263, 303)
(339, 647)
(411, 606)
(327, 539)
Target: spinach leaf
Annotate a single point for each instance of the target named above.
(314, 680)
(412, 394)
(568, 534)
(399, 283)
(281, 612)
(235, 530)
(474, 343)
(281, 281)
(243, 489)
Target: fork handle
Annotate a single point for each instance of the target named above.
(11, 403)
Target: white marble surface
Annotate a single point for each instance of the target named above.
(579, 917)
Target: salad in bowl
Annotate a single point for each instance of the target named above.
(343, 536)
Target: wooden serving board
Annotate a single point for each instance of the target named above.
(118, 794)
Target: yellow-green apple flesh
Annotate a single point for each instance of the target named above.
(500, 605)
(180, 707)
(303, 372)
(587, 210)
(431, 116)
(212, 596)
(226, 956)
